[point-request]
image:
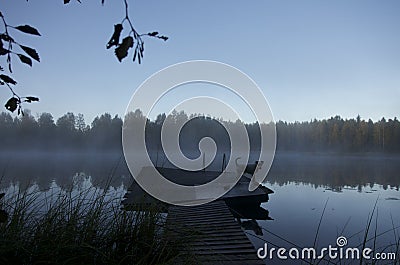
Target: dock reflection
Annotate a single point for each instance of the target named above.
(248, 214)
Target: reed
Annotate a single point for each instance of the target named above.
(82, 227)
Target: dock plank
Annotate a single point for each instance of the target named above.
(215, 235)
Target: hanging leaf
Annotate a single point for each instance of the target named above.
(25, 59)
(122, 50)
(66, 1)
(12, 104)
(141, 50)
(134, 54)
(8, 79)
(9, 62)
(6, 37)
(3, 51)
(155, 34)
(28, 29)
(31, 52)
(30, 99)
(114, 41)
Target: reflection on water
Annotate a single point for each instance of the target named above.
(46, 169)
(333, 172)
(251, 225)
(336, 171)
(302, 185)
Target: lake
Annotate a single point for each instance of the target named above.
(303, 183)
(349, 185)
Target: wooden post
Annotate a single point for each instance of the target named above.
(204, 162)
(158, 148)
(223, 162)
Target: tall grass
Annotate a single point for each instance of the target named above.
(82, 227)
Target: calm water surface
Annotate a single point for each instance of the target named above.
(348, 185)
(303, 184)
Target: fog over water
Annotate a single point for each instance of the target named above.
(302, 183)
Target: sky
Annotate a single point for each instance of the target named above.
(312, 59)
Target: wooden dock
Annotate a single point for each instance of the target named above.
(237, 195)
(213, 233)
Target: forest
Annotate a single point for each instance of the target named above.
(71, 133)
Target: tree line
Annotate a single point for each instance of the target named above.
(338, 134)
(70, 132)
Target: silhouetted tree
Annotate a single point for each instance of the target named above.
(46, 121)
(80, 122)
(66, 123)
